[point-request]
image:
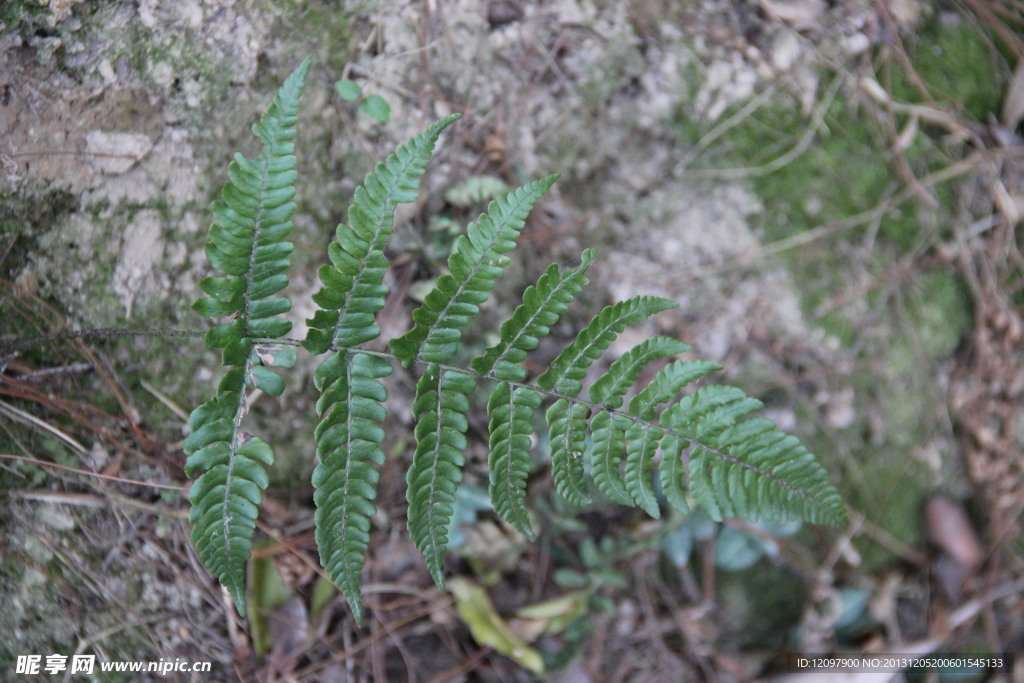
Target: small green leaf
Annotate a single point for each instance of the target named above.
(376, 107)
(735, 550)
(349, 90)
(853, 613)
(267, 380)
(267, 592)
(702, 526)
(589, 555)
(570, 578)
(557, 614)
(678, 545)
(275, 356)
(607, 576)
(323, 593)
(469, 499)
(212, 308)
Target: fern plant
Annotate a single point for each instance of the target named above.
(655, 445)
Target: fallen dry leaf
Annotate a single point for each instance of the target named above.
(949, 529)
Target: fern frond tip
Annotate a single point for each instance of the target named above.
(475, 264)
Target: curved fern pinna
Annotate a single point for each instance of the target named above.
(697, 448)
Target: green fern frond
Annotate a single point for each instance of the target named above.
(570, 366)
(543, 304)
(247, 244)
(476, 264)
(353, 285)
(511, 426)
(251, 221)
(643, 439)
(511, 410)
(703, 447)
(608, 430)
(440, 407)
(348, 449)
(747, 467)
(666, 384)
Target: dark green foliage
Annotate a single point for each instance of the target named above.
(440, 412)
(542, 306)
(702, 447)
(247, 244)
(511, 427)
(476, 264)
(348, 439)
(566, 371)
(225, 497)
(567, 423)
(354, 290)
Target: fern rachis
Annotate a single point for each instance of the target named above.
(711, 453)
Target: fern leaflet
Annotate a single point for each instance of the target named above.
(345, 480)
(641, 444)
(609, 430)
(673, 474)
(623, 373)
(746, 467)
(564, 375)
(511, 412)
(225, 497)
(247, 244)
(567, 423)
(440, 410)
(353, 285)
(643, 439)
(542, 306)
(353, 292)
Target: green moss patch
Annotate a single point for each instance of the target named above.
(959, 65)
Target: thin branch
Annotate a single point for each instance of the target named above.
(97, 333)
(19, 415)
(44, 463)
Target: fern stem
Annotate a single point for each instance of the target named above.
(233, 445)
